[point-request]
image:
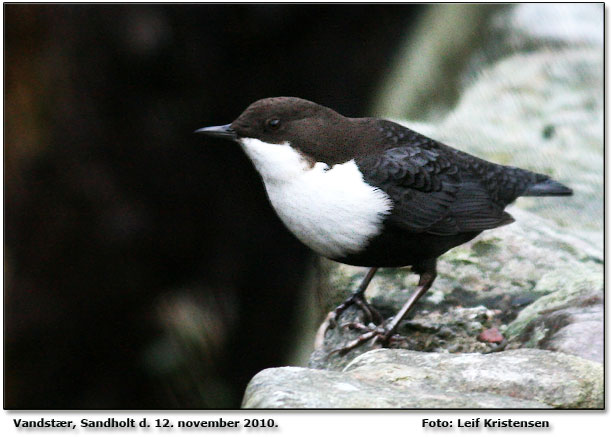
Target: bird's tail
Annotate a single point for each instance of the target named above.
(547, 187)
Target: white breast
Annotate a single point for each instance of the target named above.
(331, 210)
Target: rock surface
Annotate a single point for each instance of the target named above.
(534, 100)
(389, 378)
(537, 284)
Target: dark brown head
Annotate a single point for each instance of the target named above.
(319, 133)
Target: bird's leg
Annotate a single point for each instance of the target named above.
(425, 282)
(384, 333)
(356, 298)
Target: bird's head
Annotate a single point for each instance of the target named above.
(320, 134)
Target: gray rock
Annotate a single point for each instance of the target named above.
(583, 328)
(570, 319)
(542, 111)
(522, 27)
(406, 379)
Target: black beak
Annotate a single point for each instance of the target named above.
(224, 131)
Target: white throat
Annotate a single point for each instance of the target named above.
(331, 210)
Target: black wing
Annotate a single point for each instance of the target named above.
(436, 189)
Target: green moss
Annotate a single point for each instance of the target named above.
(486, 247)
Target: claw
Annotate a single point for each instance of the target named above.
(355, 343)
(356, 298)
(356, 325)
(328, 323)
(371, 314)
(331, 320)
(377, 334)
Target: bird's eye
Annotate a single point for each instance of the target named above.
(273, 123)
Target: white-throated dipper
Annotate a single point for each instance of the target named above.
(370, 192)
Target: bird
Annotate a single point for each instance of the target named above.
(370, 192)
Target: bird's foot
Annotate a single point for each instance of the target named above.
(378, 336)
(382, 334)
(371, 315)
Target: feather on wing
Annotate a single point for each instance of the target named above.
(432, 191)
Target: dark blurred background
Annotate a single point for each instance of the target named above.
(143, 265)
